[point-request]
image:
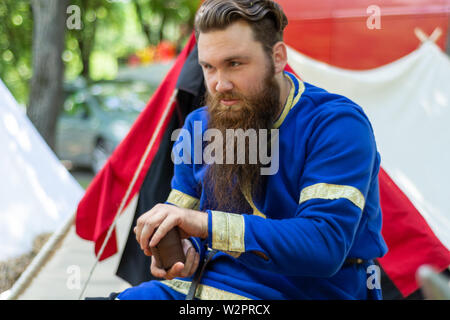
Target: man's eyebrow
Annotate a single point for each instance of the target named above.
(202, 62)
(236, 57)
(231, 58)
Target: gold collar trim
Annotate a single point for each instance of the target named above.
(291, 100)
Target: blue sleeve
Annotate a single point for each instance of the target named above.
(340, 161)
(185, 193)
(183, 158)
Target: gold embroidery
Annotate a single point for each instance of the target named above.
(236, 232)
(332, 191)
(228, 230)
(219, 230)
(183, 200)
(203, 292)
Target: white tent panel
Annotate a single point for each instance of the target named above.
(37, 193)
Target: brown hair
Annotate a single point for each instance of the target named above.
(265, 17)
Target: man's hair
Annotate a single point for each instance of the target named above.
(265, 17)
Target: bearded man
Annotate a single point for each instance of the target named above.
(309, 230)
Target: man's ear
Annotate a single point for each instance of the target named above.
(279, 56)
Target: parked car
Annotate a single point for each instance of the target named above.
(95, 118)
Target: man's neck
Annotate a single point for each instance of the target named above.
(285, 89)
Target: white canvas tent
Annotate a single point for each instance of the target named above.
(408, 103)
(37, 194)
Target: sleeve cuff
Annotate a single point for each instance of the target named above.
(182, 200)
(196, 243)
(226, 232)
(199, 245)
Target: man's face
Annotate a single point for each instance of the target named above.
(242, 94)
(234, 64)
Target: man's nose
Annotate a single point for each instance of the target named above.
(223, 85)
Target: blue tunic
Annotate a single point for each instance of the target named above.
(320, 208)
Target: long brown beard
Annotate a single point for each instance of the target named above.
(228, 181)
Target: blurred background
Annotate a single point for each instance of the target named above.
(114, 55)
(82, 71)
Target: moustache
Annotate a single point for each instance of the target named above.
(244, 103)
(228, 96)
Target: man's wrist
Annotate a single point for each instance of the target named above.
(202, 218)
(204, 228)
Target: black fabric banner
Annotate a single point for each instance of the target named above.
(134, 266)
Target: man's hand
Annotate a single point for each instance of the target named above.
(179, 269)
(153, 225)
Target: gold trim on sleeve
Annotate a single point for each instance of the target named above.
(203, 292)
(228, 231)
(331, 192)
(183, 200)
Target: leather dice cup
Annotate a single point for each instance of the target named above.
(169, 250)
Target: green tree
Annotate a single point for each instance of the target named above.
(92, 12)
(156, 17)
(16, 25)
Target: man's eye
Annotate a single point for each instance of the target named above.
(235, 63)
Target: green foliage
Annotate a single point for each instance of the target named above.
(110, 30)
(115, 29)
(160, 16)
(16, 29)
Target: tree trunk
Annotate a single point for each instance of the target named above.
(86, 41)
(161, 28)
(145, 27)
(46, 93)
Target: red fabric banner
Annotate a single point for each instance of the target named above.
(410, 240)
